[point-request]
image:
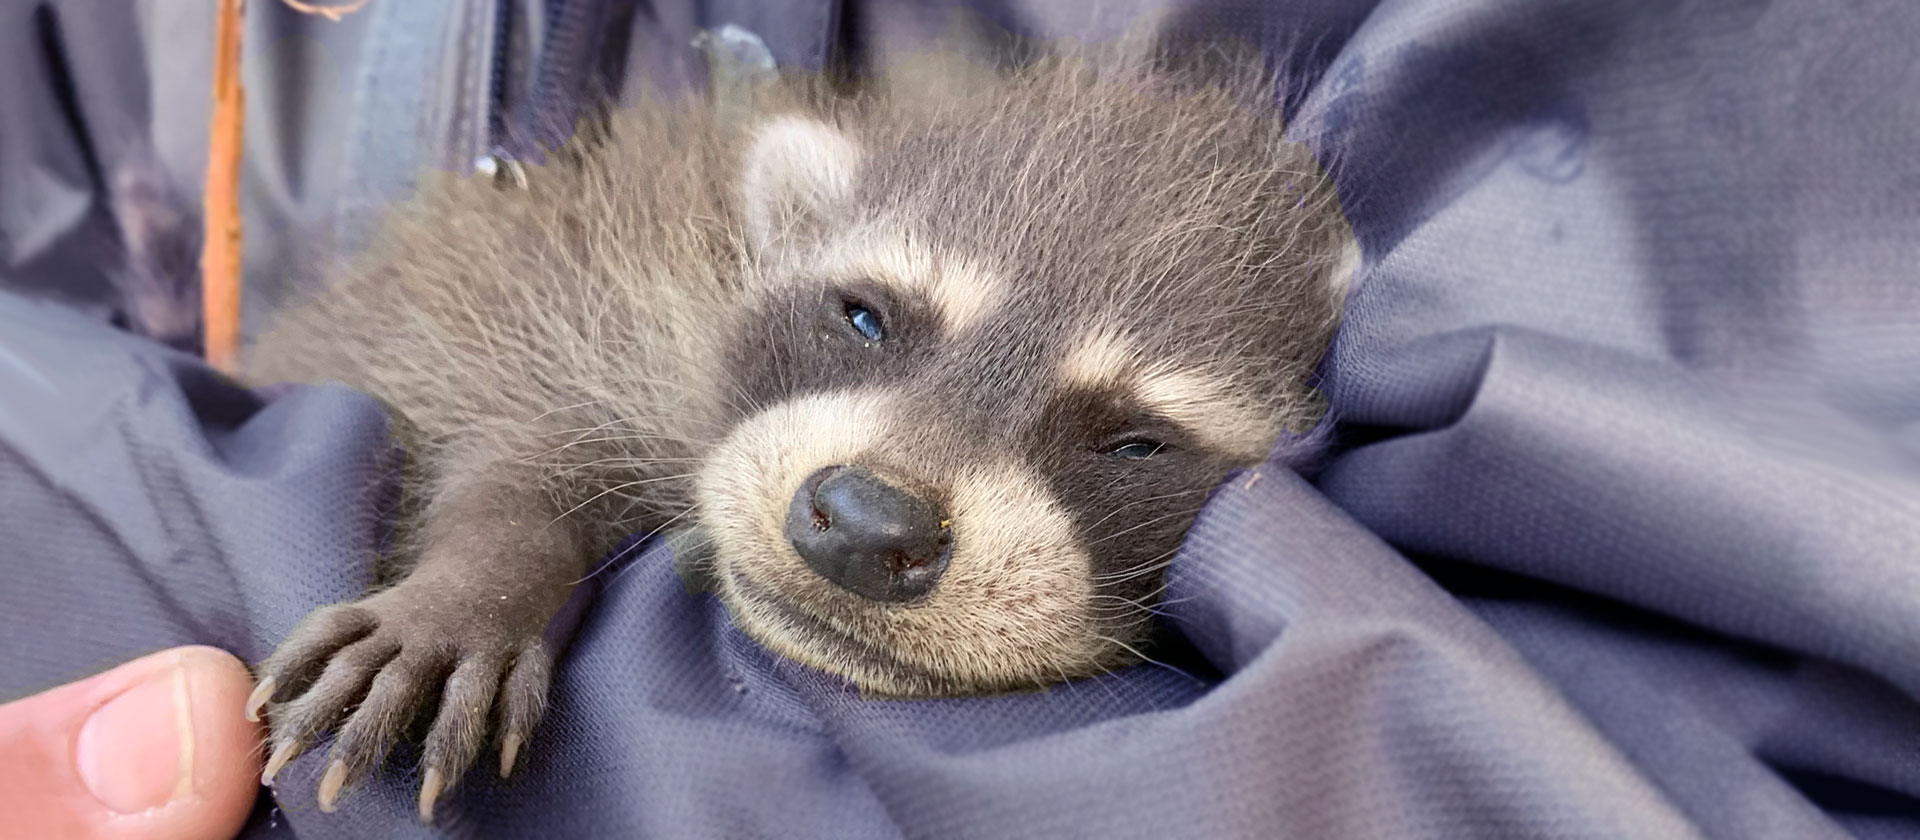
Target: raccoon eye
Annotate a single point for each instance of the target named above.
(865, 321)
(1135, 449)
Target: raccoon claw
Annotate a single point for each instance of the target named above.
(509, 749)
(281, 755)
(330, 783)
(366, 671)
(430, 788)
(258, 699)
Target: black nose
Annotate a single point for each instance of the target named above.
(867, 536)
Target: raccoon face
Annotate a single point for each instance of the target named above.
(962, 454)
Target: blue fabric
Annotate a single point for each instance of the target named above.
(1624, 540)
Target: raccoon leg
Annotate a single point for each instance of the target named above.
(465, 626)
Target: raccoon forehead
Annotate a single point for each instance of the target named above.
(961, 290)
(1208, 404)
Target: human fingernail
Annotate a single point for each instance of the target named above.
(136, 751)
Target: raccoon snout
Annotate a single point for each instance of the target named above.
(867, 536)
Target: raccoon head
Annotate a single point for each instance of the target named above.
(989, 366)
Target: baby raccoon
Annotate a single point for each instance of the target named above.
(938, 375)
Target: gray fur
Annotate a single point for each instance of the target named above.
(639, 338)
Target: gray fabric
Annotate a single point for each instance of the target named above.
(1624, 542)
(58, 73)
(340, 118)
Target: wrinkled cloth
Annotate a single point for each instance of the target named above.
(1622, 538)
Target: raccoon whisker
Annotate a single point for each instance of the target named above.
(599, 474)
(610, 561)
(618, 521)
(1157, 563)
(1162, 558)
(1142, 657)
(1059, 671)
(1093, 678)
(621, 486)
(1141, 602)
(748, 402)
(1134, 613)
(1235, 313)
(1133, 574)
(1153, 610)
(1150, 499)
(585, 431)
(698, 545)
(1153, 564)
(1123, 598)
(1120, 615)
(1116, 482)
(637, 421)
(793, 328)
(645, 420)
(1163, 604)
(1111, 612)
(682, 387)
(556, 410)
(632, 499)
(627, 461)
(649, 502)
(628, 438)
(739, 398)
(1144, 523)
(1106, 670)
(617, 439)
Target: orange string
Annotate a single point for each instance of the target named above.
(220, 254)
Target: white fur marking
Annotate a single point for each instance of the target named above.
(1013, 607)
(961, 291)
(797, 169)
(1207, 406)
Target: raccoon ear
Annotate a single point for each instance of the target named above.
(798, 170)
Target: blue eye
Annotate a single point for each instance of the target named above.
(1137, 449)
(865, 322)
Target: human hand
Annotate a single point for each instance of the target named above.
(155, 749)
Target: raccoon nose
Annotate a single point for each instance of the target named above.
(867, 536)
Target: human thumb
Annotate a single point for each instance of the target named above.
(152, 750)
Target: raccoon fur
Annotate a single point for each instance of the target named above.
(939, 375)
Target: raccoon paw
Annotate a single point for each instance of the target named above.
(367, 670)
